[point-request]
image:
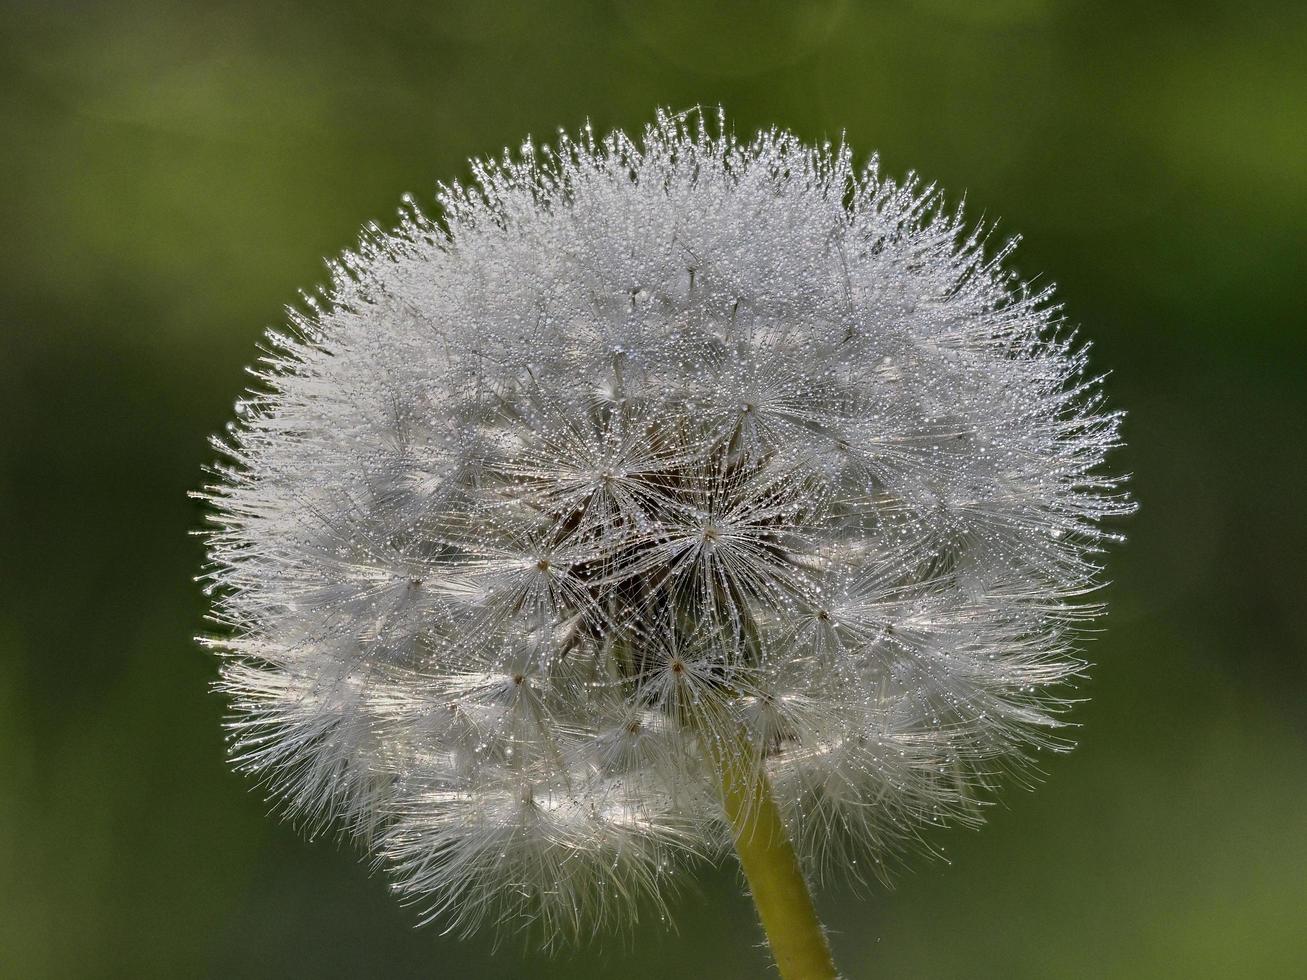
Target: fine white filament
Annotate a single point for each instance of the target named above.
(642, 444)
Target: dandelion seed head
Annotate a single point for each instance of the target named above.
(640, 445)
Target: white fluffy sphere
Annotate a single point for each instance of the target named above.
(637, 447)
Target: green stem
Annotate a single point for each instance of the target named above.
(772, 870)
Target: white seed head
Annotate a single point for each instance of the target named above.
(638, 446)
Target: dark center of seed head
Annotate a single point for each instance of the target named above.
(678, 667)
(543, 564)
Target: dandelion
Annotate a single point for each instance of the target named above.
(658, 499)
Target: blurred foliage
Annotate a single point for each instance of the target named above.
(172, 173)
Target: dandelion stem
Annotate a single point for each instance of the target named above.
(767, 857)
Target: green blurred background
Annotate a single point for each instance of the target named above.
(173, 172)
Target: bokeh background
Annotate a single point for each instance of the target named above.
(172, 172)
